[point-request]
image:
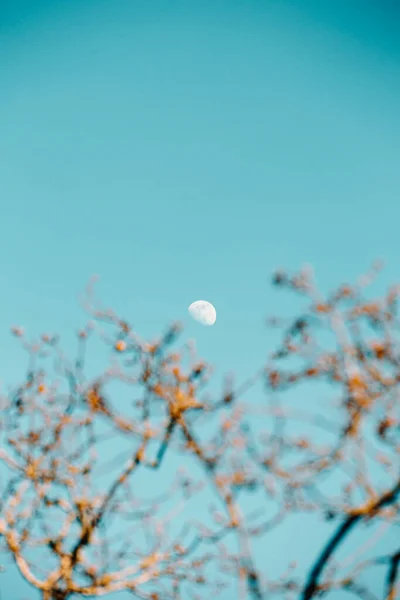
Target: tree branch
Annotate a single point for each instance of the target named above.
(312, 582)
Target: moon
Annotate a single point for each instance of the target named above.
(203, 312)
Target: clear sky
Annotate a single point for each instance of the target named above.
(183, 149)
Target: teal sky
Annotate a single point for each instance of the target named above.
(182, 150)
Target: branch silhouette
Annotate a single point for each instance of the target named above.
(135, 472)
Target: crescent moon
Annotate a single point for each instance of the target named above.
(203, 312)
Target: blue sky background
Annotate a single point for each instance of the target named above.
(183, 150)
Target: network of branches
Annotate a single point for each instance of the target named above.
(145, 478)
